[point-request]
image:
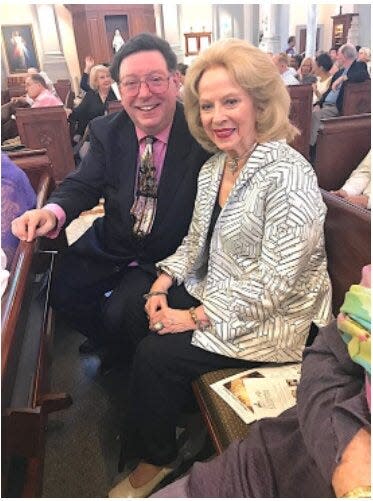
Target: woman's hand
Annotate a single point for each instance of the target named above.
(154, 304)
(158, 302)
(174, 321)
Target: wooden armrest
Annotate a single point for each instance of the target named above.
(222, 422)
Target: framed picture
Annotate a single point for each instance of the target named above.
(19, 47)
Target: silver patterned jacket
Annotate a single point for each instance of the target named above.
(263, 278)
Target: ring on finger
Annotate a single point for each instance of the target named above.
(158, 326)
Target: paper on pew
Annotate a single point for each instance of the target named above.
(261, 392)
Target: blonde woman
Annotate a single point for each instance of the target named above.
(250, 277)
(306, 71)
(95, 101)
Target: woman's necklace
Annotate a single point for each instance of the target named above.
(232, 163)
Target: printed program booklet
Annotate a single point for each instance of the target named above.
(261, 392)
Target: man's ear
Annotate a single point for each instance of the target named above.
(176, 78)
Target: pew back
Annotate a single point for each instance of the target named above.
(48, 128)
(27, 328)
(114, 106)
(342, 143)
(300, 116)
(356, 98)
(63, 87)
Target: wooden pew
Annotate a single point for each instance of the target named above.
(63, 87)
(114, 106)
(300, 116)
(48, 128)
(342, 143)
(27, 327)
(356, 98)
(347, 235)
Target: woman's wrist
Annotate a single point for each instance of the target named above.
(163, 283)
(200, 320)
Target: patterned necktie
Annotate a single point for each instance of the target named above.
(145, 204)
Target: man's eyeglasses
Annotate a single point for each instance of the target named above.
(156, 84)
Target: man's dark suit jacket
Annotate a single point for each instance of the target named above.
(357, 72)
(109, 170)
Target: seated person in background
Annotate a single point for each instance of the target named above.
(230, 296)
(364, 56)
(336, 66)
(295, 62)
(17, 196)
(94, 103)
(287, 74)
(322, 68)
(321, 447)
(38, 94)
(47, 80)
(8, 120)
(357, 187)
(306, 72)
(330, 104)
(84, 82)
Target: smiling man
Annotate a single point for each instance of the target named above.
(145, 164)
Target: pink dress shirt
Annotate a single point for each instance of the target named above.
(46, 98)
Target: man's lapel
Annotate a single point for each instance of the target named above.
(124, 163)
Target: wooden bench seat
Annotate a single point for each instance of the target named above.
(27, 324)
(347, 234)
(342, 143)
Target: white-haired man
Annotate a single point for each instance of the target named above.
(330, 104)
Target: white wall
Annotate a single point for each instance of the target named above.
(196, 16)
(364, 11)
(65, 26)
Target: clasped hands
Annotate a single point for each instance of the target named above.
(171, 320)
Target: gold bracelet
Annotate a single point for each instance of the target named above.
(193, 314)
(200, 324)
(364, 491)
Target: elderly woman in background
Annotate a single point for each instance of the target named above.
(364, 56)
(250, 277)
(95, 101)
(323, 66)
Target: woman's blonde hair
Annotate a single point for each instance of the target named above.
(93, 75)
(308, 60)
(253, 70)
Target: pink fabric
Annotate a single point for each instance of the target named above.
(46, 98)
(61, 218)
(159, 147)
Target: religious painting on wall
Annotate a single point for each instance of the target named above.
(19, 45)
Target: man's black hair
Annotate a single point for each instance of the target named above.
(38, 79)
(140, 43)
(325, 61)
